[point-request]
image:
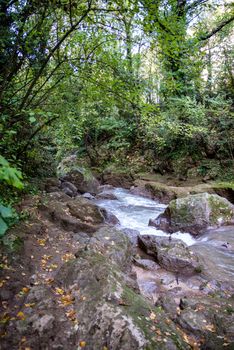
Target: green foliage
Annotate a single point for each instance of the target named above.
(12, 177)
(177, 129)
(112, 81)
(9, 174)
(8, 217)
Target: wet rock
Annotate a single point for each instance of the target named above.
(173, 255)
(88, 196)
(195, 213)
(141, 191)
(110, 218)
(161, 221)
(106, 195)
(161, 191)
(104, 188)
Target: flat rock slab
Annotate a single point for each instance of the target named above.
(76, 215)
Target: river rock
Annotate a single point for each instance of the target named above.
(104, 311)
(106, 195)
(75, 215)
(69, 188)
(112, 314)
(132, 235)
(208, 317)
(146, 264)
(110, 218)
(195, 213)
(83, 180)
(173, 255)
(104, 188)
(88, 196)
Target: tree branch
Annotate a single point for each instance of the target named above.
(46, 61)
(217, 29)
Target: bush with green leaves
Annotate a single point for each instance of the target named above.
(11, 176)
(180, 128)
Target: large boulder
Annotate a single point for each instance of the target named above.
(95, 305)
(195, 213)
(83, 179)
(171, 254)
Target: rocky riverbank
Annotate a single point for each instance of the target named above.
(77, 282)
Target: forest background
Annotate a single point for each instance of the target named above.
(147, 86)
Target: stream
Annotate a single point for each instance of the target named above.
(216, 247)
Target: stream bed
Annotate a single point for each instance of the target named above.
(215, 247)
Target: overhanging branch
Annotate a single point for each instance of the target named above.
(217, 29)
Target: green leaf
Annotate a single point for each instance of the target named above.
(32, 119)
(6, 212)
(3, 227)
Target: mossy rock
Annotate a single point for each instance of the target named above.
(113, 314)
(195, 213)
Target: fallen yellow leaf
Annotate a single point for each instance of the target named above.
(67, 299)
(82, 344)
(21, 315)
(59, 291)
(71, 315)
(29, 305)
(41, 242)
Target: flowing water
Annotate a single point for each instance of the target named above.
(216, 247)
(134, 212)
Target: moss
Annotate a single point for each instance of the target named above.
(198, 269)
(180, 214)
(12, 243)
(219, 209)
(139, 309)
(224, 185)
